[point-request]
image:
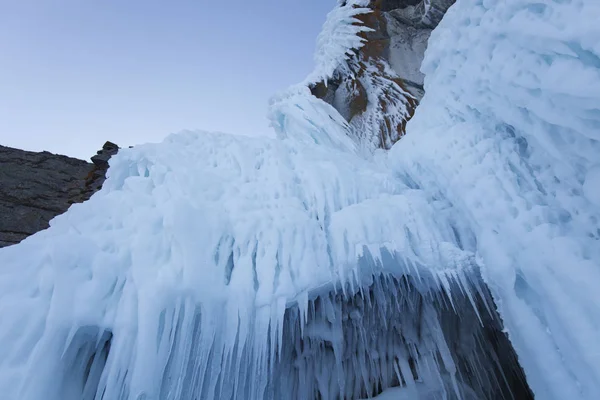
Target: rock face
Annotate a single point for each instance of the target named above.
(385, 84)
(36, 187)
(97, 175)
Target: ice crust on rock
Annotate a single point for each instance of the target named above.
(338, 39)
(591, 185)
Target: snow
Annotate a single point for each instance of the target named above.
(219, 266)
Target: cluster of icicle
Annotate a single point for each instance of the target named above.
(339, 39)
(388, 105)
(180, 278)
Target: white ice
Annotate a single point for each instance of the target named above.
(338, 40)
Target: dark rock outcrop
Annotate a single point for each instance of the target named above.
(97, 175)
(36, 187)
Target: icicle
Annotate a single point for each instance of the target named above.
(467, 288)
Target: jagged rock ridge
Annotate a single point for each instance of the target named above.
(36, 187)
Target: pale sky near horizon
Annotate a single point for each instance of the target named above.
(76, 73)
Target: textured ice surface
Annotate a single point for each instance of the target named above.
(509, 133)
(591, 185)
(188, 258)
(216, 266)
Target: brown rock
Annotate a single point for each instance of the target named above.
(374, 98)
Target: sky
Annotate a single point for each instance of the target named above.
(76, 73)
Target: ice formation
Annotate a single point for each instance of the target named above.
(221, 267)
(353, 75)
(509, 133)
(212, 266)
(338, 40)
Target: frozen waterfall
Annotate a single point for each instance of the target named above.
(213, 266)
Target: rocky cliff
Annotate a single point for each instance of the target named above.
(380, 90)
(36, 187)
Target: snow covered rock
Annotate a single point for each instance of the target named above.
(378, 85)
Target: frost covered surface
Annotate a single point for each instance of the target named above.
(509, 133)
(389, 107)
(338, 39)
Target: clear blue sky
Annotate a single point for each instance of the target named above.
(75, 73)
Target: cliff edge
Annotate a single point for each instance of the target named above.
(36, 187)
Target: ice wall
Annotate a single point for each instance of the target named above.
(509, 132)
(173, 281)
(213, 266)
(220, 267)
